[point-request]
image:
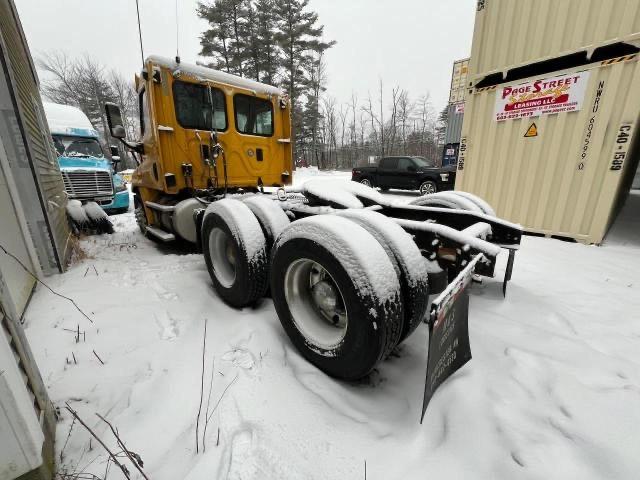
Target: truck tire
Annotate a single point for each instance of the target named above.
(271, 217)
(427, 187)
(234, 250)
(366, 182)
(408, 262)
(340, 308)
(141, 217)
(482, 204)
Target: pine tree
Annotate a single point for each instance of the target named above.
(443, 121)
(225, 40)
(252, 43)
(238, 18)
(300, 39)
(215, 41)
(269, 53)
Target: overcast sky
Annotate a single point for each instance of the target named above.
(409, 43)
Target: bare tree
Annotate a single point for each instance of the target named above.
(126, 98)
(376, 125)
(331, 127)
(342, 114)
(405, 109)
(317, 84)
(86, 84)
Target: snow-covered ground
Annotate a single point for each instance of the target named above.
(552, 391)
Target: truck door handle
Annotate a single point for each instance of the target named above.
(259, 156)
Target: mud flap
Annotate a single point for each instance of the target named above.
(198, 218)
(509, 271)
(449, 347)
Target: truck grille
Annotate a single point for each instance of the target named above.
(80, 184)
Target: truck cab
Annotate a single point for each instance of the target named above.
(87, 173)
(203, 134)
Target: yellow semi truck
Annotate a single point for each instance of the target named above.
(203, 133)
(350, 272)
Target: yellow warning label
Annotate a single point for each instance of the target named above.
(532, 131)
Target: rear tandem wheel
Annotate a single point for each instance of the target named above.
(235, 252)
(341, 310)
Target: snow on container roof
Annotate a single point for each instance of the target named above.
(68, 120)
(206, 73)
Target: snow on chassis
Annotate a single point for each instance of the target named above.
(350, 273)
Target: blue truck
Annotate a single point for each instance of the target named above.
(88, 175)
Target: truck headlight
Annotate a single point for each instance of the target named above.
(120, 187)
(444, 177)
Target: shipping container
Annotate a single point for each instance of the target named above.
(509, 33)
(458, 87)
(555, 152)
(455, 116)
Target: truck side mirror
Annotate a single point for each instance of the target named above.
(114, 120)
(114, 151)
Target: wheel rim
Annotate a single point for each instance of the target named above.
(316, 303)
(223, 258)
(365, 182)
(427, 188)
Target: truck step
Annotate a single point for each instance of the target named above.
(161, 234)
(159, 207)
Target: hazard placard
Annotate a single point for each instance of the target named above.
(532, 131)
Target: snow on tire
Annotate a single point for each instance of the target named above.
(410, 265)
(271, 217)
(234, 248)
(337, 295)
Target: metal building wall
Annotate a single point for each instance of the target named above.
(28, 150)
(516, 32)
(560, 182)
(34, 229)
(16, 284)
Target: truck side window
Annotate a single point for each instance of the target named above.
(254, 116)
(389, 163)
(142, 97)
(404, 163)
(193, 106)
(424, 162)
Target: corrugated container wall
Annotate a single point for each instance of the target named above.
(513, 32)
(560, 165)
(455, 116)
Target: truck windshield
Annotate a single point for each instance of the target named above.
(77, 146)
(423, 162)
